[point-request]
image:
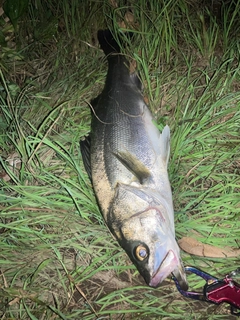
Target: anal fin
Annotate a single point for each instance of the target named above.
(85, 146)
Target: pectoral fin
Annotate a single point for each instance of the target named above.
(134, 165)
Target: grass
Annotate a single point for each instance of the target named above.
(58, 259)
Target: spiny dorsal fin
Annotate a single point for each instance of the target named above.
(134, 165)
(165, 144)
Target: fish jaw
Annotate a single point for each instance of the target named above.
(170, 264)
(166, 260)
(166, 267)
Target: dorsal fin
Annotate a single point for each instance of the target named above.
(136, 80)
(165, 144)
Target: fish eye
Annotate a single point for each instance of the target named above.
(141, 252)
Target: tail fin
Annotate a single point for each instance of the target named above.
(118, 65)
(107, 43)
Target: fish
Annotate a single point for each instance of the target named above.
(126, 158)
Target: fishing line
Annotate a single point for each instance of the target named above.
(96, 114)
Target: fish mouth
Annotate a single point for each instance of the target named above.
(166, 267)
(169, 265)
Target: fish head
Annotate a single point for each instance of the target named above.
(144, 228)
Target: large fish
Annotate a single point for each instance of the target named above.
(126, 158)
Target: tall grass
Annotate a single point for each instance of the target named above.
(57, 257)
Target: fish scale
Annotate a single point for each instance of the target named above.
(126, 159)
(120, 133)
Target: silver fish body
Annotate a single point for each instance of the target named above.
(127, 163)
